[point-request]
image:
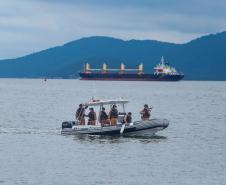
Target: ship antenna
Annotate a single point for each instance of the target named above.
(162, 60)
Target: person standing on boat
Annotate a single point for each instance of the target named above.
(128, 118)
(80, 114)
(103, 117)
(92, 117)
(145, 113)
(113, 115)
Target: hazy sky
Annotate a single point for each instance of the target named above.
(27, 26)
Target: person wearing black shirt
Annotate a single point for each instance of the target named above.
(80, 114)
(92, 117)
(145, 113)
(113, 115)
(103, 117)
(128, 118)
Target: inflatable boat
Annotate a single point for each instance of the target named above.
(145, 128)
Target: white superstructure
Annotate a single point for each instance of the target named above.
(164, 68)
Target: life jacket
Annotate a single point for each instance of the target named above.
(114, 113)
(146, 113)
(91, 116)
(103, 115)
(128, 119)
(80, 113)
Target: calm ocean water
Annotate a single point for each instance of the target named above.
(191, 150)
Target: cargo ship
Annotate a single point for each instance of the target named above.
(163, 72)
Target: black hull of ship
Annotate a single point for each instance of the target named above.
(130, 77)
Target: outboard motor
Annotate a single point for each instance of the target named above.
(67, 124)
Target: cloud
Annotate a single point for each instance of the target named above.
(31, 25)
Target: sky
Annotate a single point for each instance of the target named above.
(28, 26)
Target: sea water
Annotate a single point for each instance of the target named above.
(191, 150)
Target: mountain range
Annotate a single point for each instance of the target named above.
(201, 59)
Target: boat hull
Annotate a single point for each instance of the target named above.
(139, 128)
(130, 77)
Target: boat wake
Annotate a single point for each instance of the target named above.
(28, 130)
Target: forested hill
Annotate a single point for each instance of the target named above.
(201, 59)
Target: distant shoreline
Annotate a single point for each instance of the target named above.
(34, 78)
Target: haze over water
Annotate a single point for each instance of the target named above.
(190, 151)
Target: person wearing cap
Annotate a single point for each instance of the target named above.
(145, 113)
(103, 117)
(91, 117)
(80, 114)
(128, 118)
(113, 115)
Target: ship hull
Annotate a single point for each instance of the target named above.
(130, 77)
